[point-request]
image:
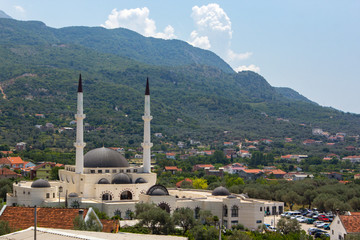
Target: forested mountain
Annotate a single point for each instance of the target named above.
(194, 93)
(4, 15)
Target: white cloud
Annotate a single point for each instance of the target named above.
(199, 41)
(251, 67)
(19, 9)
(213, 30)
(137, 19)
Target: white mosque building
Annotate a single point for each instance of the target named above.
(103, 178)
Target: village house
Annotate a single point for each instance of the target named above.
(352, 159)
(298, 158)
(357, 176)
(172, 169)
(170, 155)
(277, 173)
(309, 142)
(298, 177)
(234, 168)
(215, 172)
(4, 162)
(7, 173)
(244, 154)
(16, 162)
(202, 166)
(350, 148)
(251, 174)
(42, 171)
(187, 180)
(345, 225)
(228, 144)
(21, 146)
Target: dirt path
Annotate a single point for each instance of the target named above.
(3, 93)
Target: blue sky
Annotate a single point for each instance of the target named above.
(310, 46)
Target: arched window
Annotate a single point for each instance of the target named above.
(126, 195)
(117, 213)
(106, 197)
(234, 211)
(164, 206)
(197, 212)
(128, 214)
(225, 211)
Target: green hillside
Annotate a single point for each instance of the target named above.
(194, 94)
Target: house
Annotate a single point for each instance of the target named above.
(209, 152)
(42, 171)
(309, 142)
(7, 173)
(288, 140)
(63, 218)
(335, 175)
(345, 225)
(202, 166)
(251, 147)
(244, 154)
(21, 146)
(188, 180)
(251, 174)
(350, 148)
(229, 151)
(172, 169)
(16, 162)
(7, 153)
(159, 135)
(218, 173)
(5, 162)
(297, 177)
(228, 143)
(39, 115)
(357, 176)
(234, 168)
(170, 155)
(298, 158)
(352, 159)
(267, 141)
(277, 173)
(138, 156)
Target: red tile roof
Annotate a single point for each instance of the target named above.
(256, 171)
(43, 164)
(7, 172)
(15, 160)
(23, 217)
(351, 223)
(7, 152)
(5, 161)
(178, 184)
(172, 168)
(204, 165)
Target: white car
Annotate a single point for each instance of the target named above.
(302, 219)
(317, 222)
(271, 229)
(319, 225)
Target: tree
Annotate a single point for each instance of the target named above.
(200, 183)
(90, 225)
(5, 228)
(200, 232)
(184, 217)
(291, 198)
(309, 196)
(54, 174)
(287, 226)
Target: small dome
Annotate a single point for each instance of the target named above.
(73, 194)
(103, 181)
(231, 196)
(40, 183)
(221, 191)
(158, 192)
(140, 180)
(121, 178)
(103, 158)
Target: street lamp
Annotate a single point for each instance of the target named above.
(60, 191)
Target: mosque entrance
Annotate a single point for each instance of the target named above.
(126, 195)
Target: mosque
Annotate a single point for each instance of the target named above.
(103, 178)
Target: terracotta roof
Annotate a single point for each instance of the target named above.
(7, 172)
(275, 171)
(15, 160)
(170, 154)
(4, 161)
(7, 152)
(252, 170)
(23, 217)
(169, 168)
(204, 165)
(178, 184)
(351, 223)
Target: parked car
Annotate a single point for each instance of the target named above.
(271, 229)
(320, 234)
(310, 221)
(323, 218)
(302, 219)
(327, 226)
(320, 225)
(312, 231)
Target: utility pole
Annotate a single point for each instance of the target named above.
(35, 222)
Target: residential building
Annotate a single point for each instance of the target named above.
(21, 146)
(203, 166)
(42, 171)
(277, 173)
(297, 177)
(4, 162)
(172, 169)
(352, 159)
(345, 225)
(7, 173)
(170, 155)
(16, 162)
(234, 168)
(251, 174)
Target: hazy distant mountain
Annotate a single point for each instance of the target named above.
(4, 15)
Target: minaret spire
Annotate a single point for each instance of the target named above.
(147, 144)
(79, 144)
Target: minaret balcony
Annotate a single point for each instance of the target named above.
(147, 118)
(147, 145)
(80, 116)
(79, 144)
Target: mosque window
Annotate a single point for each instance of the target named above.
(92, 171)
(99, 171)
(121, 170)
(23, 192)
(126, 195)
(47, 195)
(117, 213)
(225, 211)
(128, 170)
(107, 171)
(28, 193)
(234, 211)
(258, 221)
(128, 214)
(106, 197)
(114, 171)
(135, 170)
(197, 213)
(53, 195)
(260, 209)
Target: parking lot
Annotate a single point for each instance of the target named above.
(271, 219)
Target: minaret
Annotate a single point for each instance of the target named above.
(79, 144)
(147, 118)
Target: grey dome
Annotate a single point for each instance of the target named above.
(121, 178)
(40, 183)
(221, 191)
(158, 192)
(73, 194)
(140, 180)
(104, 157)
(103, 181)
